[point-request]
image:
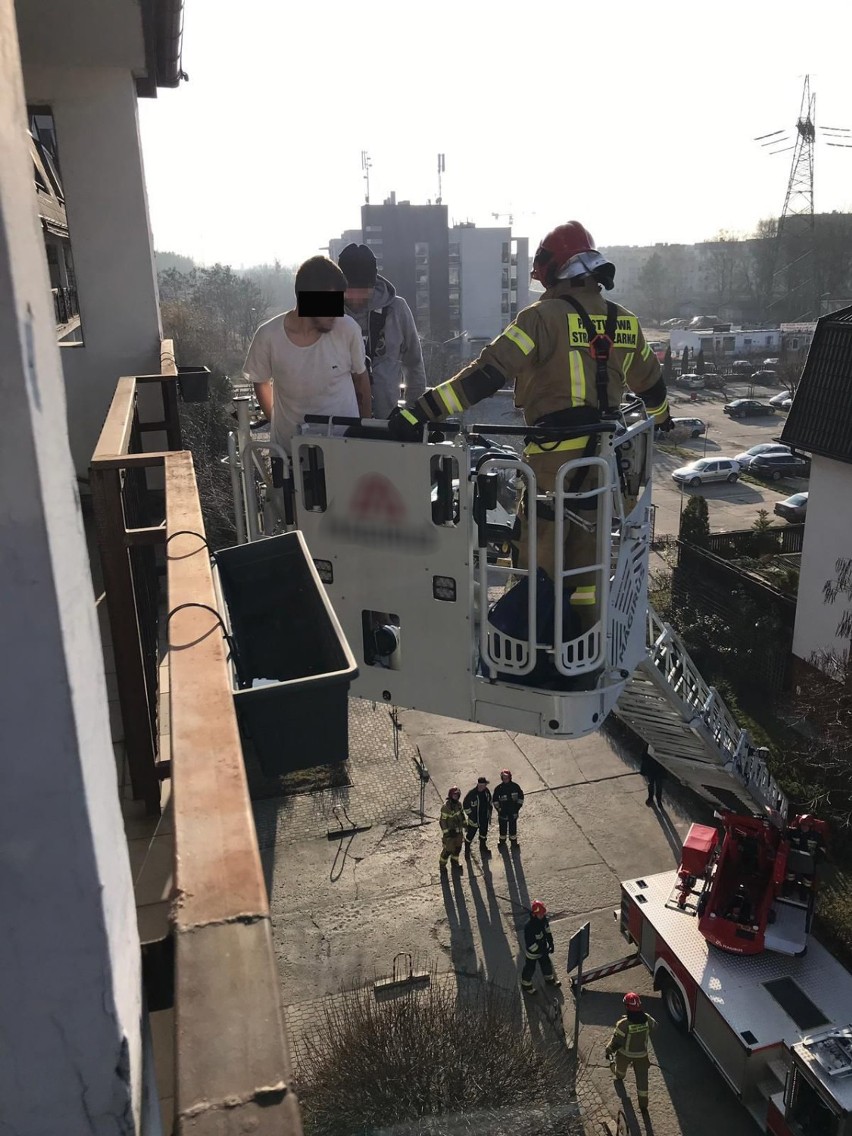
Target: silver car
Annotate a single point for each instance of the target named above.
(745, 459)
(707, 469)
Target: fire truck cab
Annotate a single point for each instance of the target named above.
(777, 1028)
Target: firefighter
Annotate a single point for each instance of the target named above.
(508, 801)
(477, 810)
(629, 1044)
(538, 947)
(452, 829)
(570, 356)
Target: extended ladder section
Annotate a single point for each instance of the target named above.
(693, 733)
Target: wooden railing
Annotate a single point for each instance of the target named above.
(232, 1066)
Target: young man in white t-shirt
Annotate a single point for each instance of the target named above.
(309, 364)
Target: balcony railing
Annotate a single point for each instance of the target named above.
(65, 304)
(232, 1066)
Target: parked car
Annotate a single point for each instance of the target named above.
(784, 400)
(713, 380)
(794, 508)
(687, 427)
(775, 466)
(742, 367)
(765, 378)
(745, 459)
(747, 408)
(771, 362)
(690, 382)
(707, 469)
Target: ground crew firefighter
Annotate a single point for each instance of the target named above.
(508, 801)
(477, 810)
(629, 1044)
(452, 830)
(571, 355)
(538, 947)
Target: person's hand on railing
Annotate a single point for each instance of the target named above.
(405, 424)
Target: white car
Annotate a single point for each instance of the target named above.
(684, 428)
(784, 400)
(755, 451)
(707, 469)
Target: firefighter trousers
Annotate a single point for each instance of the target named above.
(481, 826)
(508, 823)
(529, 969)
(451, 847)
(641, 1066)
(580, 545)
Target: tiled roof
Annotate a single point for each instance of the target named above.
(820, 419)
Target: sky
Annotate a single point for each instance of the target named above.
(636, 118)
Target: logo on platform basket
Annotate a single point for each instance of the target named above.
(376, 515)
(376, 498)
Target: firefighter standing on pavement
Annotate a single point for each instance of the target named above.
(570, 356)
(508, 801)
(452, 829)
(477, 810)
(538, 944)
(629, 1045)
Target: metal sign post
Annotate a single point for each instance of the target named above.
(578, 950)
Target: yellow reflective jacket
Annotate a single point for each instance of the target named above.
(631, 1037)
(545, 353)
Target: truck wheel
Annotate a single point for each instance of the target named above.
(675, 1006)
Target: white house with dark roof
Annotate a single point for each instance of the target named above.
(820, 423)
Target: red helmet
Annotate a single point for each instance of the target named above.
(538, 909)
(569, 251)
(454, 792)
(632, 1001)
(506, 773)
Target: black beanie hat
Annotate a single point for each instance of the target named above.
(358, 266)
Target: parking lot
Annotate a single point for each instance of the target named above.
(731, 506)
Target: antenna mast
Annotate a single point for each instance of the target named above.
(366, 164)
(441, 168)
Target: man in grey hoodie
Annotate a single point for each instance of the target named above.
(394, 356)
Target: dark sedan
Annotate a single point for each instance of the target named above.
(747, 408)
(775, 466)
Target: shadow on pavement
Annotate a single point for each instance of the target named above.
(627, 1104)
(500, 961)
(462, 954)
(669, 831)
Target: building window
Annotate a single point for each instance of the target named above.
(507, 252)
(373, 229)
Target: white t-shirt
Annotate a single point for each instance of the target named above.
(306, 380)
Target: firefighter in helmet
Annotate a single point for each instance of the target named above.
(452, 830)
(508, 801)
(629, 1046)
(477, 810)
(570, 356)
(538, 947)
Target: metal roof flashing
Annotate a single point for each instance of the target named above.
(820, 419)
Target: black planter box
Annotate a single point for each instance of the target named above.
(284, 628)
(194, 384)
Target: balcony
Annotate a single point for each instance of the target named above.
(210, 976)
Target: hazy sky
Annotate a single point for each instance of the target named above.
(636, 118)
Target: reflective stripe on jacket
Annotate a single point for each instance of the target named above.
(631, 1037)
(452, 817)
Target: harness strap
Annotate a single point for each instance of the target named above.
(600, 346)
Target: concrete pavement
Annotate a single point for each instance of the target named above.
(343, 908)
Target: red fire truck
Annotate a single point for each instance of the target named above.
(778, 1028)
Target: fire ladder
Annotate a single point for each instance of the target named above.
(693, 733)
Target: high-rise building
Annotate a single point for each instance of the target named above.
(489, 283)
(411, 245)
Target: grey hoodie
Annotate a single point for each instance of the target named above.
(397, 359)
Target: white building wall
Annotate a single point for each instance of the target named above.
(97, 133)
(70, 986)
(827, 539)
(482, 267)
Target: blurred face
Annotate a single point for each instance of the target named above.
(358, 299)
(481, 788)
